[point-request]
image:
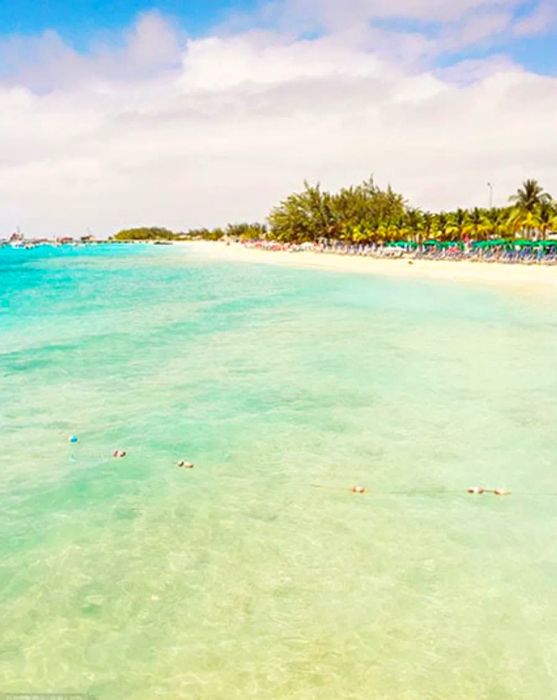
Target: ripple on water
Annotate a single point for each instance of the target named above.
(134, 579)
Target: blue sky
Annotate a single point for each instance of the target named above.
(537, 54)
(75, 20)
(80, 22)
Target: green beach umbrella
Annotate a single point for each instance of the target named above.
(492, 243)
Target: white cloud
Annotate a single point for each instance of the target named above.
(266, 59)
(541, 20)
(336, 15)
(470, 71)
(219, 129)
(151, 47)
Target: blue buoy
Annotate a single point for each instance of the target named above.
(73, 439)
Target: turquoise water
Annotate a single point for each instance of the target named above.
(258, 574)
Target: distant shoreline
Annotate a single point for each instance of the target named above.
(527, 277)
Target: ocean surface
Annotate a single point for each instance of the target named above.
(258, 574)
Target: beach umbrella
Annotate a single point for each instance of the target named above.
(404, 244)
(492, 243)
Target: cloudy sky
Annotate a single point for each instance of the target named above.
(184, 113)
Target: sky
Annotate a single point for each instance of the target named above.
(187, 113)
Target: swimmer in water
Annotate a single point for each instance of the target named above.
(358, 489)
(479, 490)
(118, 454)
(185, 465)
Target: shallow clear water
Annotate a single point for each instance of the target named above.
(258, 574)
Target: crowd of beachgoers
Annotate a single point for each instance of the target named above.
(520, 251)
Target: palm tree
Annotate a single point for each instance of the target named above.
(530, 196)
(494, 222)
(457, 223)
(394, 227)
(515, 220)
(526, 221)
(358, 234)
(414, 225)
(427, 224)
(442, 223)
(547, 218)
(476, 224)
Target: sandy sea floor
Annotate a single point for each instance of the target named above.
(259, 574)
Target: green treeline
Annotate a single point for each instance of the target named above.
(155, 233)
(152, 233)
(368, 214)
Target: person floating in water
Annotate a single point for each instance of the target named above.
(479, 490)
(185, 465)
(119, 454)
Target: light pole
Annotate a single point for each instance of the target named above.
(490, 185)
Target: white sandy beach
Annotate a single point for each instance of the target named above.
(527, 277)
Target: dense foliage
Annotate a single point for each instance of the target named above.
(152, 233)
(349, 215)
(369, 214)
(243, 232)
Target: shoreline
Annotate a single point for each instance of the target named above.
(528, 277)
